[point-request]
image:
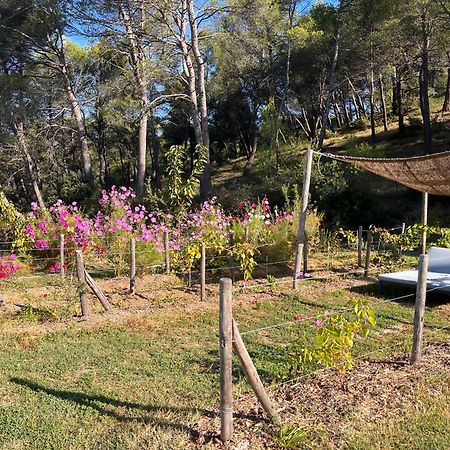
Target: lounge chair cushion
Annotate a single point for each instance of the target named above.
(438, 272)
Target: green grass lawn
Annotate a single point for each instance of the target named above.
(151, 380)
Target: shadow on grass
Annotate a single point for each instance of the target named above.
(404, 296)
(100, 403)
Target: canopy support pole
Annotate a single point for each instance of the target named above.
(302, 241)
(424, 222)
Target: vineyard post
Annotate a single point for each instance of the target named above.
(421, 294)
(167, 251)
(230, 258)
(252, 375)
(97, 291)
(297, 265)
(424, 221)
(132, 265)
(82, 285)
(368, 250)
(360, 245)
(203, 273)
(403, 228)
(61, 256)
(226, 349)
(301, 232)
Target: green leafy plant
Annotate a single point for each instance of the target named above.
(182, 188)
(12, 224)
(244, 253)
(335, 337)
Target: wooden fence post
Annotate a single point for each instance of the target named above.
(360, 245)
(82, 285)
(230, 258)
(97, 291)
(297, 265)
(368, 250)
(226, 349)
(61, 256)
(167, 251)
(252, 375)
(424, 222)
(132, 265)
(203, 273)
(421, 295)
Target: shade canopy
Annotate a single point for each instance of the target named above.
(430, 173)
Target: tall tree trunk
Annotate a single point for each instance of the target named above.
(330, 89)
(30, 164)
(205, 179)
(399, 102)
(337, 113)
(251, 153)
(394, 93)
(76, 110)
(446, 105)
(373, 136)
(345, 110)
(156, 150)
(357, 114)
(383, 103)
(424, 85)
(359, 102)
(137, 59)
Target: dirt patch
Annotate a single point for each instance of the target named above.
(329, 400)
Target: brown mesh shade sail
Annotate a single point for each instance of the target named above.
(430, 173)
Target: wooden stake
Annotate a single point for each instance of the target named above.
(360, 245)
(132, 266)
(203, 273)
(424, 221)
(226, 348)
(368, 250)
(167, 251)
(97, 291)
(252, 375)
(82, 285)
(61, 256)
(230, 258)
(301, 232)
(297, 265)
(421, 295)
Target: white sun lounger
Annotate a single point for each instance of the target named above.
(438, 272)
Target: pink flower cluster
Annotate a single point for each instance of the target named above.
(119, 217)
(54, 268)
(46, 226)
(7, 266)
(209, 224)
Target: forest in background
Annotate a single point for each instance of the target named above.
(255, 80)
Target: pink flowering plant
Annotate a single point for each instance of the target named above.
(8, 266)
(334, 338)
(273, 232)
(120, 219)
(208, 225)
(45, 226)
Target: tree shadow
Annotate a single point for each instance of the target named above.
(100, 403)
(401, 295)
